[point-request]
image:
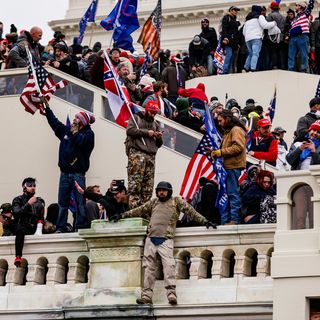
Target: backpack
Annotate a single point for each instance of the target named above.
(274, 34)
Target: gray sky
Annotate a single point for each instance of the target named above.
(25, 14)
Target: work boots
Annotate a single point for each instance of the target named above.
(144, 300)
(172, 298)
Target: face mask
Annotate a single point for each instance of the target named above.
(235, 114)
(317, 113)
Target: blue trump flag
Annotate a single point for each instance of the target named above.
(123, 20)
(89, 16)
(221, 173)
(147, 60)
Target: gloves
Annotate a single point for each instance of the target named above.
(115, 218)
(216, 153)
(211, 224)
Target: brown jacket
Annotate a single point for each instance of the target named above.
(135, 135)
(233, 148)
(163, 216)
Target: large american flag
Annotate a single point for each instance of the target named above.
(30, 96)
(199, 166)
(151, 31)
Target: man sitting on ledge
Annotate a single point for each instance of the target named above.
(163, 213)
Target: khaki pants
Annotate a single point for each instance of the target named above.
(165, 251)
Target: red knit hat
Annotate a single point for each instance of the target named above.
(140, 61)
(85, 118)
(152, 106)
(274, 5)
(315, 126)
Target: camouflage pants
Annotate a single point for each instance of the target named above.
(165, 251)
(140, 177)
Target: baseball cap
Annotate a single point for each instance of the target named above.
(234, 8)
(264, 123)
(279, 129)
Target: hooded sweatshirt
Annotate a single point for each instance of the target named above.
(197, 95)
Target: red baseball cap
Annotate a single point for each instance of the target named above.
(264, 123)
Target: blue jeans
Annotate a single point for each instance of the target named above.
(210, 65)
(234, 205)
(254, 47)
(301, 44)
(66, 185)
(228, 59)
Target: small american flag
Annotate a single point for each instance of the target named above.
(151, 31)
(30, 96)
(147, 60)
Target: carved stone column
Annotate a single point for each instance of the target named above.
(115, 274)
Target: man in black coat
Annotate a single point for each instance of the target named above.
(28, 212)
(76, 145)
(210, 35)
(230, 36)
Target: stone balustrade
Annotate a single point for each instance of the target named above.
(102, 266)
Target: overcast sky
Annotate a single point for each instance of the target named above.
(25, 14)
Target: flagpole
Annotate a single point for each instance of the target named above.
(91, 34)
(116, 21)
(35, 77)
(124, 96)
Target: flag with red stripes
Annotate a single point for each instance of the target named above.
(199, 166)
(30, 96)
(151, 31)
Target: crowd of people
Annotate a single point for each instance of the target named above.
(265, 41)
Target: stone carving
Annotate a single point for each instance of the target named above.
(115, 254)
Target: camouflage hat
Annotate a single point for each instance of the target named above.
(5, 208)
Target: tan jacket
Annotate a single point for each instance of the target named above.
(164, 215)
(233, 148)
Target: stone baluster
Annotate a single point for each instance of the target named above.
(181, 269)
(242, 266)
(56, 273)
(194, 267)
(220, 267)
(10, 278)
(3, 274)
(263, 266)
(76, 273)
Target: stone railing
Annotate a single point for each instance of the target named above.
(229, 266)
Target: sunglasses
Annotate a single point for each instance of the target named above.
(6, 218)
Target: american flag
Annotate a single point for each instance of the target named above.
(272, 108)
(199, 166)
(30, 96)
(151, 31)
(219, 57)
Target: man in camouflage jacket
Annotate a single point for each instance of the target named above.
(163, 212)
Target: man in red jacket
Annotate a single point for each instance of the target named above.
(263, 145)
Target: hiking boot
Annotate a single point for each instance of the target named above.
(17, 261)
(144, 300)
(172, 299)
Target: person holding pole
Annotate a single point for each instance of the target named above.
(144, 138)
